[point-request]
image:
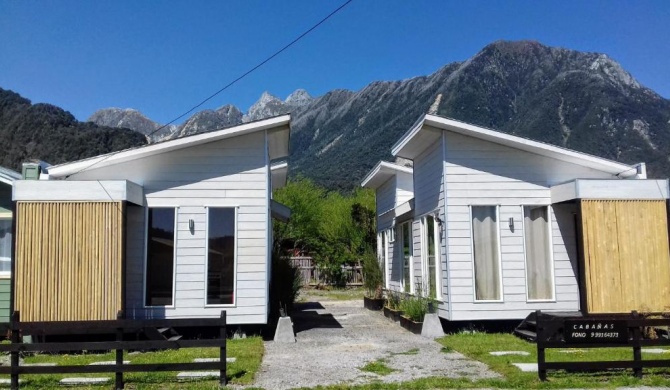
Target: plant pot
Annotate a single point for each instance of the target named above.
(392, 314)
(373, 303)
(414, 327)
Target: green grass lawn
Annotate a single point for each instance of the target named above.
(328, 293)
(249, 353)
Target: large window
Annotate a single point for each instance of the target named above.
(221, 256)
(486, 253)
(429, 253)
(160, 257)
(5, 243)
(539, 269)
(407, 256)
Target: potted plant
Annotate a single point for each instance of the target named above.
(414, 308)
(372, 281)
(392, 307)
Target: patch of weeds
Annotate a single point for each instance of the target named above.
(413, 351)
(446, 349)
(378, 367)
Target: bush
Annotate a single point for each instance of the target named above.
(285, 285)
(414, 307)
(372, 276)
(393, 300)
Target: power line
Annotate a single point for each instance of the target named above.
(230, 84)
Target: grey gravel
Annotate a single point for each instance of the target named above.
(335, 339)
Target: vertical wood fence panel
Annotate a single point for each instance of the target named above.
(68, 260)
(312, 276)
(625, 244)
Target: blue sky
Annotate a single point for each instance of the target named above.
(164, 57)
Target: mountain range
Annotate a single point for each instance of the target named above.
(583, 101)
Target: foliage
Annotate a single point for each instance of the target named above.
(46, 132)
(378, 367)
(333, 228)
(372, 276)
(414, 307)
(285, 284)
(393, 299)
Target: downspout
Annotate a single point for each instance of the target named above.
(12, 278)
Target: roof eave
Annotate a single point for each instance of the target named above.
(62, 170)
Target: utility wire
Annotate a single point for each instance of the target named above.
(230, 84)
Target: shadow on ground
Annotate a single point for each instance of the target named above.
(306, 317)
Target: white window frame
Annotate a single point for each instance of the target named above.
(551, 253)
(424, 258)
(391, 235)
(472, 256)
(146, 257)
(235, 260)
(408, 224)
(7, 274)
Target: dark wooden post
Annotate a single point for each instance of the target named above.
(637, 349)
(14, 355)
(540, 339)
(222, 351)
(118, 380)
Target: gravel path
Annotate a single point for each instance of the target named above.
(336, 338)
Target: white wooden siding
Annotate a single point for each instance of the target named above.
(227, 173)
(478, 172)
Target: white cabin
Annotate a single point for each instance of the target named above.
(179, 229)
(501, 226)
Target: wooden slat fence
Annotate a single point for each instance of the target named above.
(312, 276)
(117, 327)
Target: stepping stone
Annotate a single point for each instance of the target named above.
(7, 381)
(503, 353)
(107, 363)
(655, 350)
(208, 360)
(526, 367)
(38, 364)
(83, 381)
(197, 374)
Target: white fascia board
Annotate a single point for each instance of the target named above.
(559, 153)
(610, 189)
(8, 176)
(62, 170)
(78, 191)
(382, 172)
(405, 139)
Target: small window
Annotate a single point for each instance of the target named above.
(160, 257)
(382, 251)
(431, 265)
(221, 256)
(486, 253)
(407, 256)
(539, 267)
(5, 243)
(392, 234)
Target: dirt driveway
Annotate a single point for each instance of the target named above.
(336, 338)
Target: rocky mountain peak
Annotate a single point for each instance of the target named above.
(613, 71)
(298, 98)
(267, 106)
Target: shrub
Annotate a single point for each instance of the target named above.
(372, 276)
(285, 285)
(393, 300)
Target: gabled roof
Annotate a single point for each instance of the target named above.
(427, 131)
(278, 141)
(8, 176)
(382, 172)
